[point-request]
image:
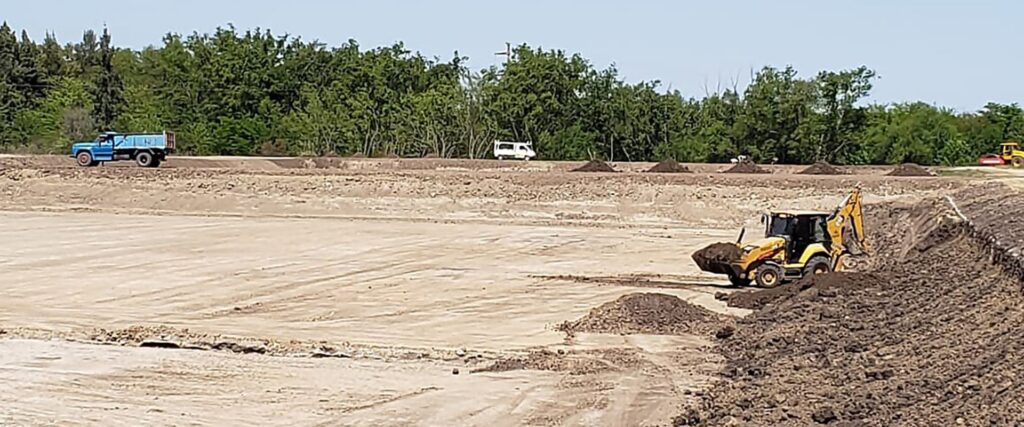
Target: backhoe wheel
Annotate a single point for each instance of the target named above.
(84, 159)
(738, 281)
(1017, 162)
(768, 275)
(144, 159)
(817, 265)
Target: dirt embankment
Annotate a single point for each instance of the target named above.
(821, 168)
(910, 169)
(934, 335)
(647, 313)
(595, 166)
(746, 166)
(572, 362)
(669, 166)
(822, 285)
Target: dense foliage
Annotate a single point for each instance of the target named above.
(253, 92)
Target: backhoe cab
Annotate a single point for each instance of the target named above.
(797, 244)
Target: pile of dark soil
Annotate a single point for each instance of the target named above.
(715, 257)
(821, 168)
(933, 336)
(595, 166)
(910, 169)
(669, 166)
(820, 285)
(573, 363)
(647, 313)
(746, 166)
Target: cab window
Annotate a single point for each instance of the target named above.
(781, 227)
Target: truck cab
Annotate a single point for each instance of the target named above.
(513, 150)
(147, 150)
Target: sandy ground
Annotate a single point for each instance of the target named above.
(412, 270)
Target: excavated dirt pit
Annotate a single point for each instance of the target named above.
(910, 169)
(647, 313)
(669, 166)
(821, 168)
(932, 335)
(595, 166)
(381, 285)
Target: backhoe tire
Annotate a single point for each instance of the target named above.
(817, 265)
(738, 281)
(768, 276)
(1017, 162)
(144, 159)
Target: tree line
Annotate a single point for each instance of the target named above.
(257, 93)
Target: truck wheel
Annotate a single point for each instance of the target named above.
(817, 265)
(84, 159)
(144, 159)
(768, 275)
(1017, 162)
(738, 282)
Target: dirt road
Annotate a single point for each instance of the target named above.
(342, 295)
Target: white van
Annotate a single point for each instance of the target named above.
(513, 150)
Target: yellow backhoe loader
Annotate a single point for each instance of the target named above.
(795, 244)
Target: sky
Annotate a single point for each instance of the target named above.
(958, 54)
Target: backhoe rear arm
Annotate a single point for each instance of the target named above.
(850, 210)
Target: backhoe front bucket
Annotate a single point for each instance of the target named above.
(720, 258)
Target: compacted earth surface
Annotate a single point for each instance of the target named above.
(289, 291)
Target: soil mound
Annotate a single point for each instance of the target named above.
(822, 284)
(669, 166)
(746, 166)
(595, 166)
(715, 257)
(647, 313)
(573, 363)
(821, 168)
(933, 336)
(910, 169)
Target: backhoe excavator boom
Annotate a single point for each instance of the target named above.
(849, 211)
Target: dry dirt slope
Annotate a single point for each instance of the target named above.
(950, 353)
(376, 279)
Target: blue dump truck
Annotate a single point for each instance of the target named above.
(148, 150)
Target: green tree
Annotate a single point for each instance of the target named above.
(778, 108)
(914, 133)
(109, 97)
(840, 117)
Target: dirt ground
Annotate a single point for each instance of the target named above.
(368, 291)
